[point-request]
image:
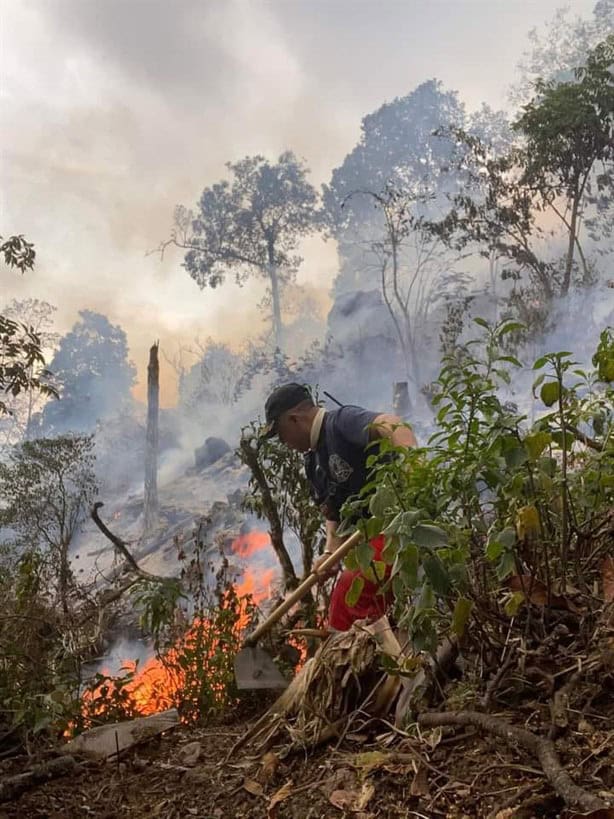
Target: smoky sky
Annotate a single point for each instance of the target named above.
(114, 111)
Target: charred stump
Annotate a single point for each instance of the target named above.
(151, 441)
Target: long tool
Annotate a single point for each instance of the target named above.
(254, 668)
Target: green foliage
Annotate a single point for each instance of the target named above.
(22, 364)
(492, 496)
(18, 252)
(561, 166)
(46, 487)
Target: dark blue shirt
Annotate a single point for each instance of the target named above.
(337, 468)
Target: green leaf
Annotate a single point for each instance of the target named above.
(510, 360)
(373, 527)
(429, 536)
(541, 362)
(426, 599)
(403, 522)
(482, 323)
(515, 455)
(390, 551)
(513, 604)
(376, 573)
(353, 594)
(509, 327)
(364, 555)
(437, 574)
(462, 610)
(383, 499)
(550, 392)
(409, 562)
(351, 561)
(506, 565)
(536, 443)
(494, 550)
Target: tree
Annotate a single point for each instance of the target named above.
(563, 165)
(22, 363)
(213, 379)
(414, 268)
(93, 373)
(46, 488)
(564, 45)
(569, 130)
(398, 148)
(249, 226)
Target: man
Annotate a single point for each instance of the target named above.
(334, 444)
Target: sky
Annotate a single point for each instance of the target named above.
(115, 111)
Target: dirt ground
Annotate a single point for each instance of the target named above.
(373, 773)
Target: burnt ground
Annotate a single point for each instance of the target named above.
(375, 772)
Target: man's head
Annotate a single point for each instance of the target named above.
(289, 413)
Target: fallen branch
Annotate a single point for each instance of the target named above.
(543, 749)
(122, 548)
(13, 786)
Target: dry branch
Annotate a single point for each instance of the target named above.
(122, 548)
(543, 749)
(13, 786)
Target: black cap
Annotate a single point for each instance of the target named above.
(281, 400)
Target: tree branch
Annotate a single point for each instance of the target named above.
(122, 548)
(543, 749)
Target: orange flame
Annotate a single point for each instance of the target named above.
(250, 543)
(256, 583)
(157, 684)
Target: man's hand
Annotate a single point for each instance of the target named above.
(332, 544)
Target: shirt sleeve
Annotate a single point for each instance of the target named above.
(353, 424)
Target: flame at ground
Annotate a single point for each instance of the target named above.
(162, 682)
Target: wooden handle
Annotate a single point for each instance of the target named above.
(302, 590)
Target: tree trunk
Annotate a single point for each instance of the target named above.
(250, 458)
(275, 305)
(64, 575)
(572, 241)
(151, 442)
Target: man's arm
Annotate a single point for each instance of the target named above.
(332, 540)
(391, 426)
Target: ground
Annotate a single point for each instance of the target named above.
(374, 772)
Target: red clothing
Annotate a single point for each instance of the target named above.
(371, 604)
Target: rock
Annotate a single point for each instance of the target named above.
(211, 451)
(189, 754)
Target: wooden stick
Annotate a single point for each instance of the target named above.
(302, 590)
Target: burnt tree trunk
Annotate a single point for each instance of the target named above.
(151, 441)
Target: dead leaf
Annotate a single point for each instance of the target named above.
(601, 813)
(527, 522)
(255, 788)
(420, 783)
(607, 573)
(537, 592)
(268, 766)
(279, 796)
(354, 801)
